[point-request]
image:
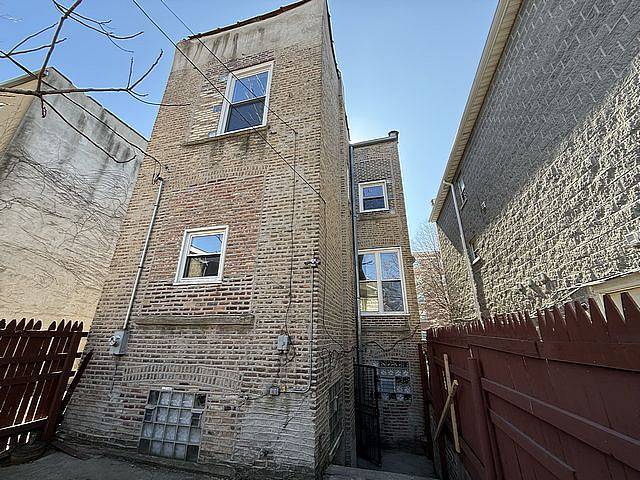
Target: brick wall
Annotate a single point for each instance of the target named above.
(391, 337)
(221, 338)
(554, 158)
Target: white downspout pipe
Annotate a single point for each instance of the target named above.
(476, 303)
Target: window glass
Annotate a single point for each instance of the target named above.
(249, 88)
(203, 244)
(369, 297)
(373, 191)
(367, 264)
(392, 296)
(373, 203)
(390, 265)
(245, 115)
(202, 266)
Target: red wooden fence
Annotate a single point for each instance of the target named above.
(35, 367)
(556, 398)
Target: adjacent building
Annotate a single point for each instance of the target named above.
(229, 324)
(62, 201)
(390, 318)
(540, 199)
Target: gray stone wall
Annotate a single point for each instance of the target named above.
(62, 203)
(552, 170)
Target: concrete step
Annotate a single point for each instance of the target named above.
(338, 472)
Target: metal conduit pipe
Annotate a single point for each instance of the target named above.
(354, 229)
(143, 254)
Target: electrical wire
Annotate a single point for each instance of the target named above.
(253, 128)
(223, 64)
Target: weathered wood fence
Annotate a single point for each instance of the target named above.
(35, 368)
(556, 398)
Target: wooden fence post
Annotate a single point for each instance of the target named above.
(482, 419)
(61, 387)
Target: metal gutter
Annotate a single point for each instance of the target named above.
(499, 32)
(354, 228)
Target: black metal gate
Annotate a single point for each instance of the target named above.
(367, 413)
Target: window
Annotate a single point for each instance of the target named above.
(172, 424)
(373, 196)
(395, 380)
(248, 96)
(202, 255)
(473, 250)
(381, 285)
(423, 335)
(335, 413)
(461, 190)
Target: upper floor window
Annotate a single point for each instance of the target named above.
(461, 190)
(202, 255)
(473, 250)
(381, 281)
(373, 196)
(248, 95)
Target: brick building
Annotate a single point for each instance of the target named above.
(61, 200)
(545, 168)
(235, 353)
(390, 319)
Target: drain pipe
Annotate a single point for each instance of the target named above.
(464, 248)
(354, 230)
(118, 341)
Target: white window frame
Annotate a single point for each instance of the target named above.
(379, 281)
(231, 82)
(473, 251)
(363, 185)
(461, 191)
(186, 241)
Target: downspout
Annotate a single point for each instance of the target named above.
(127, 317)
(354, 230)
(464, 249)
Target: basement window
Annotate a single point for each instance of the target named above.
(373, 196)
(202, 255)
(172, 424)
(381, 282)
(395, 380)
(248, 99)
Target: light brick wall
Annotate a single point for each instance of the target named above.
(554, 157)
(235, 180)
(391, 337)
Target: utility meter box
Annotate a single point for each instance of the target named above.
(118, 342)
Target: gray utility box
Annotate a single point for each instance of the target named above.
(118, 342)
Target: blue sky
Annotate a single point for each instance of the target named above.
(407, 65)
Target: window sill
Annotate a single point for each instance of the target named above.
(238, 133)
(191, 283)
(375, 210)
(384, 314)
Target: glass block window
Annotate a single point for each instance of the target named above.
(172, 424)
(335, 412)
(395, 380)
(381, 282)
(373, 196)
